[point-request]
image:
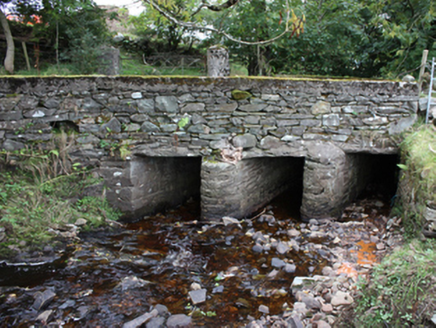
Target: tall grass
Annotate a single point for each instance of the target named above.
(42, 192)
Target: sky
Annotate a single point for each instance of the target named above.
(134, 6)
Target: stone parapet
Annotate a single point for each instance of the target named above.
(176, 116)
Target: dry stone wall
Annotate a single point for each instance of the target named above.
(127, 120)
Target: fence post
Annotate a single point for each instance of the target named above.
(421, 71)
(218, 61)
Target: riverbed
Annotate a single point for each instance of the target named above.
(216, 274)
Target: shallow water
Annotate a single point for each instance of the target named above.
(170, 252)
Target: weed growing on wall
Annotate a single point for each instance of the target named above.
(42, 196)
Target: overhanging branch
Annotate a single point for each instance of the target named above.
(297, 25)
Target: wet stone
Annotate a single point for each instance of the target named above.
(257, 248)
(139, 321)
(290, 268)
(277, 263)
(295, 322)
(158, 322)
(45, 316)
(131, 282)
(43, 299)
(282, 248)
(263, 309)
(218, 289)
(161, 309)
(179, 321)
(67, 304)
(293, 233)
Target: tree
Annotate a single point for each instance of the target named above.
(10, 50)
(186, 16)
(402, 30)
(74, 29)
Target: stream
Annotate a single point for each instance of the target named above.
(246, 268)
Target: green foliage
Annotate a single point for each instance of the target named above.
(401, 290)
(40, 193)
(67, 32)
(419, 171)
(182, 122)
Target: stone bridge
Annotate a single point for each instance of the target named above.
(238, 142)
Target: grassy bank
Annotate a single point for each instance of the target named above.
(46, 200)
(401, 290)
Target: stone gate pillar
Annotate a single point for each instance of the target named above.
(218, 61)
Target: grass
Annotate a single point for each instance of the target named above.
(401, 292)
(40, 194)
(419, 172)
(135, 66)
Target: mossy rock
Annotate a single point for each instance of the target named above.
(241, 95)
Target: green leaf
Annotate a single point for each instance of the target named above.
(403, 167)
(183, 121)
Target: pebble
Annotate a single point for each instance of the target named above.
(282, 248)
(322, 324)
(80, 222)
(327, 308)
(198, 296)
(263, 309)
(277, 263)
(195, 286)
(380, 246)
(139, 321)
(341, 298)
(293, 233)
(290, 268)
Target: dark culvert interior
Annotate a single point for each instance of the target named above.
(288, 202)
(382, 179)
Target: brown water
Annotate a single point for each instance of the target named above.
(170, 252)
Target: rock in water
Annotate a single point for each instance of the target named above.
(43, 299)
(139, 321)
(179, 321)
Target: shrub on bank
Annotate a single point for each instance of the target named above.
(44, 199)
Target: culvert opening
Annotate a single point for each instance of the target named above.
(288, 201)
(162, 183)
(381, 179)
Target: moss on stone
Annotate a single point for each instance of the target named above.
(241, 95)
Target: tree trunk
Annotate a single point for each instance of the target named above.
(10, 50)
